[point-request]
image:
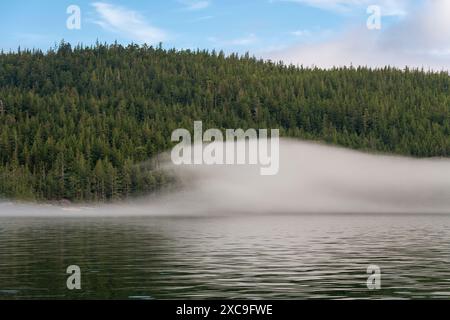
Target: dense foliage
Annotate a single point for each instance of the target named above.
(75, 122)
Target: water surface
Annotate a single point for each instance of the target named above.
(270, 256)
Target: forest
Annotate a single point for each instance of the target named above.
(84, 123)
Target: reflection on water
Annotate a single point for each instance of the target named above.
(285, 256)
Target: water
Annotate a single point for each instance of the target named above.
(258, 256)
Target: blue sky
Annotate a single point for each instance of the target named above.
(279, 29)
(233, 25)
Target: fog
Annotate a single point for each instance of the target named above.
(312, 178)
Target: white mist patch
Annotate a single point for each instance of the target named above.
(240, 147)
(312, 178)
(318, 178)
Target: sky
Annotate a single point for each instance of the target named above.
(323, 33)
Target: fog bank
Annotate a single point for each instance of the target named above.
(312, 178)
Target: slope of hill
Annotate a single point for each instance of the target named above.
(76, 122)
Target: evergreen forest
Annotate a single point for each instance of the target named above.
(85, 123)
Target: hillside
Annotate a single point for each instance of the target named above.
(76, 122)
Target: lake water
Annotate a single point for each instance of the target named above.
(257, 256)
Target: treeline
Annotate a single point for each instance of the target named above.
(76, 122)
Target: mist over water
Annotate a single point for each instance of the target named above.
(312, 178)
(229, 232)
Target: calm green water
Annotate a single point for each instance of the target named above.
(279, 256)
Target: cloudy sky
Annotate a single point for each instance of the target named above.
(324, 33)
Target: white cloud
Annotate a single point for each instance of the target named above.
(127, 23)
(388, 7)
(204, 18)
(421, 39)
(301, 33)
(242, 41)
(195, 4)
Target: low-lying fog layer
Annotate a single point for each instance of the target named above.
(312, 178)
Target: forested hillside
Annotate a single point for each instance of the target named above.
(76, 122)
